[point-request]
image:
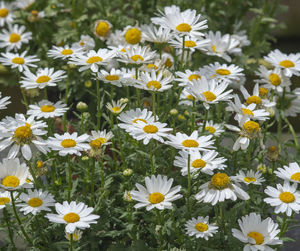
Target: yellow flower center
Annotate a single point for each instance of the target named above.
(154, 83)
(168, 63)
(23, 132)
(190, 143)
(14, 38)
(150, 129)
(47, 108)
(67, 52)
(211, 129)
(10, 181)
(136, 120)
(116, 109)
(275, 79)
(194, 76)
(183, 27)
(220, 180)
(253, 99)
(102, 28)
(43, 79)
(81, 43)
(39, 164)
(263, 91)
(35, 202)
(287, 63)
(198, 163)
(112, 77)
(152, 66)
(94, 59)
(190, 97)
(251, 126)
(156, 197)
(71, 217)
(135, 58)
(249, 179)
(247, 112)
(123, 50)
(18, 60)
(223, 72)
(3, 12)
(4, 200)
(201, 227)
(209, 96)
(189, 43)
(296, 176)
(133, 36)
(96, 143)
(258, 237)
(214, 48)
(287, 197)
(67, 143)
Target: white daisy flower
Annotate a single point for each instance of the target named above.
(64, 52)
(167, 61)
(206, 162)
(193, 142)
(249, 177)
(186, 98)
(116, 107)
(42, 78)
(6, 13)
(213, 128)
(290, 173)
(5, 198)
(290, 64)
(73, 215)
(220, 187)
(290, 105)
(209, 91)
(200, 227)
(86, 43)
(190, 43)
(13, 175)
(46, 109)
(102, 30)
(100, 138)
(257, 234)
(156, 35)
(4, 101)
(93, 59)
(157, 193)
(186, 78)
(116, 38)
(14, 37)
(137, 55)
(35, 201)
(19, 61)
(22, 134)
(114, 77)
(285, 199)
(69, 143)
(132, 35)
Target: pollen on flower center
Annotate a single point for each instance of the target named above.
(190, 97)
(43, 79)
(4, 200)
(23, 132)
(94, 59)
(251, 126)
(194, 76)
(135, 58)
(275, 79)
(133, 36)
(112, 77)
(150, 129)
(35, 202)
(3, 12)
(214, 48)
(190, 143)
(223, 72)
(253, 99)
(14, 38)
(47, 108)
(168, 63)
(287, 63)
(249, 179)
(136, 120)
(67, 52)
(18, 60)
(198, 163)
(258, 237)
(152, 66)
(247, 112)
(287, 197)
(71, 217)
(263, 91)
(102, 28)
(67, 143)
(220, 180)
(189, 43)
(201, 227)
(154, 83)
(96, 143)
(116, 109)
(183, 27)
(209, 96)
(296, 176)
(156, 197)
(211, 129)
(10, 181)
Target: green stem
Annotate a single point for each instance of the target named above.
(193, 115)
(66, 99)
(102, 172)
(205, 120)
(92, 177)
(153, 105)
(151, 158)
(10, 232)
(37, 184)
(189, 184)
(71, 242)
(182, 55)
(24, 98)
(98, 103)
(45, 94)
(70, 178)
(138, 101)
(292, 132)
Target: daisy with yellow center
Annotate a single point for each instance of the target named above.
(186, 78)
(137, 55)
(100, 138)
(212, 128)
(5, 198)
(47, 109)
(250, 177)
(64, 52)
(4, 101)
(190, 43)
(156, 35)
(114, 77)
(102, 29)
(6, 13)
(18, 60)
(132, 35)
(116, 107)
(289, 173)
(200, 227)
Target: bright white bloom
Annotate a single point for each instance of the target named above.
(156, 35)
(64, 52)
(69, 143)
(36, 201)
(6, 13)
(206, 162)
(4, 102)
(200, 227)
(249, 177)
(285, 198)
(14, 37)
(116, 107)
(86, 43)
(290, 173)
(137, 55)
(116, 38)
(186, 78)
(186, 98)
(191, 43)
(240, 35)
(19, 61)
(5, 198)
(212, 128)
(73, 215)
(219, 189)
(42, 78)
(257, 234)
(47, 109)
(290, 64)
(157, 193)
(100, 138)
(114, 77)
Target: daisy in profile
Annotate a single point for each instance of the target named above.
(14, 37)
(114, 77)
(206, 162)
(47, 109)
(102, 29)
(5, 198)
(4, 101)
(86, 43)
(137, 55)
(290, 64)
(76, 236)
(186, 98)
(75, 216)
(257, 234)
(6, 13)
(200, 227)
(157, 193)
(35, 201)
(100, 138)
(289, 173)
(64, 52)
(250, 177)
(160, 35)
(116, 107)
(42, 78)
(132, 35)
(285, 198)
(186, 78)
(219, 188)
(116, 38)
(189, 143)
(13, 175)
(18, 60)
(69, 143)
(191, 43)
(212, 128)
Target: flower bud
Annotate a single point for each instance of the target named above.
(124, 100)
(128, 172)
(81, 106)
(127, 196)
(173, 111)
(88, 84)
